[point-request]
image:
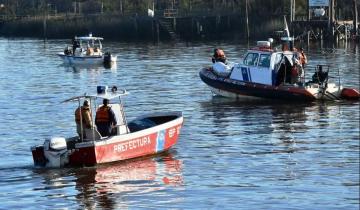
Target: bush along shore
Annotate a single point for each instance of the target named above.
(141, 28)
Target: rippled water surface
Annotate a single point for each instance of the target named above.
(230, 155)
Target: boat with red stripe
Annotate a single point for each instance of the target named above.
(145, 135)
(269, 73)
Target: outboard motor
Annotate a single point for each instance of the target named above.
(55, 151)
(107, 58)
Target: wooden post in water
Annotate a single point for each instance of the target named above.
(247, 20)
(292, 14)
(44, 25)
(121, 6)
(44, 21)
(136, 26)
(157, 31)
(332, 17)
(355, 19)
(307, 25)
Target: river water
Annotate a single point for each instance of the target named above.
(230, 155)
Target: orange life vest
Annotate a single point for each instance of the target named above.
(102, 114)
(77, 114)
(303, 58)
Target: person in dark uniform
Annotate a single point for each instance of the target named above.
(75, 44)
(105, 119)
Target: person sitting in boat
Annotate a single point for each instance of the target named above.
(105, 119)
(219, 56)
(67, 51)
(85, 116)
(90, 51)
(319, 76)
(220, 66)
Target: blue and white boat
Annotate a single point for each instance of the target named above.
(266, 73)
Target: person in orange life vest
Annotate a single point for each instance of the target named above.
(219, 56)
(105, 119)
(85, 116)
(302, 57)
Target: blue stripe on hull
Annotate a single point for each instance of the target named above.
(244, 72)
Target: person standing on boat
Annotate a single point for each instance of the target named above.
(302, 57)
(85, 112)
(75, 44)
(105, 119)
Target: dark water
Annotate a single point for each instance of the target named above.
(230, 155)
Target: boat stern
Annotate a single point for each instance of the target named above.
(38, 155)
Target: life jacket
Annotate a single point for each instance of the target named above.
(102, 114)
(302, 58)
(77, 114)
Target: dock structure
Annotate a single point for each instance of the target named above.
(321, 22)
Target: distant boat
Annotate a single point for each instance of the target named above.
(87, 50)
(146, 135)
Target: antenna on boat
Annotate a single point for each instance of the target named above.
(286, 28)
(287, 41)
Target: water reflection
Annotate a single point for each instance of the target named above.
(101, 186)
(82, 67)
(263, 116)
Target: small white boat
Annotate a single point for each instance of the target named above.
(87, 50)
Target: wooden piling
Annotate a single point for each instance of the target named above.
(247, 20)
(355, 18)
(157, 31)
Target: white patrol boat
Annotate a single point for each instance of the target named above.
(87, 50)
(270, 74)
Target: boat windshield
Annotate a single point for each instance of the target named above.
(264, 60)
(90, 43)
(251, 59)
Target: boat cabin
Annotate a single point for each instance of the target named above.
(95, 100)
(264, 66)
(89, 45)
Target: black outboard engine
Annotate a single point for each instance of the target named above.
(107, 58)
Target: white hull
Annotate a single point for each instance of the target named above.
(84, 60)
(332, 92)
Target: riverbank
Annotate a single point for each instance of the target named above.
(142, 28)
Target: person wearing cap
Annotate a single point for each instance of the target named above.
(85, 112)
(105, 119)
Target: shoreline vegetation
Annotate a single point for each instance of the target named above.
(151, 20)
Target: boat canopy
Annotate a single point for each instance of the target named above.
(102, 93)
(88, 38)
